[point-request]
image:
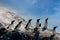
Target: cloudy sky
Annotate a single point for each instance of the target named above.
(35, 9)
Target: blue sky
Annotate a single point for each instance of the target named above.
(36, 9)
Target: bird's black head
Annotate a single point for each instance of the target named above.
(20, 22)
(30, 20)
(12, 21)
(54, 27)
(46, 19)
(38, 20)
